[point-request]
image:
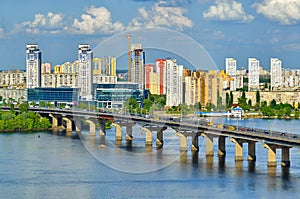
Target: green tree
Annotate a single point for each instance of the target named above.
(273, 103)
(250, 103)
(243, 102)
(24, 107)
(147, 104)
(184, 108)
(231, 99)
(43, 103)
(257, 98)
(12, 108)
(198, 106)
(227, 100)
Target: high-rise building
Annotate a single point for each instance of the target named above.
(192, 91)
(85, 72)
(149, 69)
(253, 74)
(174, 83)
(137, 73)
(154, 84)
(46, 68)
(161, 70)
(108, 66)
(231, 70)
(97, 66)
(276, 76)
(33, 66)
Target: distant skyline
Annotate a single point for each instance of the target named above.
(225, 28)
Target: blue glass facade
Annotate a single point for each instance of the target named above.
(53, 94)
(115, 95)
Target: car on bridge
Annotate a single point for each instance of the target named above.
(231, 128)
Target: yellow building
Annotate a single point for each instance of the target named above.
(154, 84)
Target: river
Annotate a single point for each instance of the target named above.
(56, 165)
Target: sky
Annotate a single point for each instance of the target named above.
(215, 29)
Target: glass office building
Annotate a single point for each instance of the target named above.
(58, 95)
(115, 95)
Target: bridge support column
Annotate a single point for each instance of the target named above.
(102, 128)
(92, 127)
(159, 137)
(221, 146)
(118, 131)
(195, 144)
(285, 159)
(238, 149)
(251, 151)
(128, 132)
(183, 144)
(69, 124)
(148, 136)
(54, 122)
(271, 155)
(209, 145)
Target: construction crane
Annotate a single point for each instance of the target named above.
(129, 56)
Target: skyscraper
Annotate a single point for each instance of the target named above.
(108, 66)
(149, 69)
(85, 72)
(161, 67)
(174, 83)
(33, 66)
(231, 70)
(253, 74)
(137, 73)
(276, 79)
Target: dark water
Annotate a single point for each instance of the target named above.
(64, 166)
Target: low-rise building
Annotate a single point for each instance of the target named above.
(56, 95)
(113, 96)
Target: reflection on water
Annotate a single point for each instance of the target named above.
(60, 165)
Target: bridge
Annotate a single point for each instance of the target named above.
(271, 140)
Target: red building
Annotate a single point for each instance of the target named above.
(149, 68)
(161, 65)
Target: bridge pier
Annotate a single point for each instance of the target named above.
(209, 145)
(54, 122)
(251, 151)
(271, 155)
(195, 144)
(148, 136)
(118, 132)
(183, 144)
(159, 137)
(238, 149)
(221, 146)
(102, 128)
(285, 159)
(92, 127)
(69, 124)
(129, 133)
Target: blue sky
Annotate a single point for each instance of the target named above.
(225, 28)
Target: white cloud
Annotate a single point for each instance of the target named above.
(227, 10)
(218, 34)
(284, 11)
(96, 20)
(161, 15)
(50, 23)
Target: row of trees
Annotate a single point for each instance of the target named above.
(151, 104)
(279, 110)
(274, 109)
(24, 120)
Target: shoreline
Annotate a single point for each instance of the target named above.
(25, 130)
